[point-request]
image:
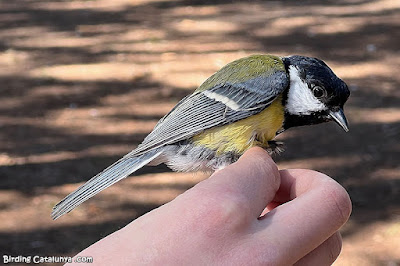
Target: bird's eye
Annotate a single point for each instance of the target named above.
(319, 92)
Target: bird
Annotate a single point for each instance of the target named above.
(245, 104)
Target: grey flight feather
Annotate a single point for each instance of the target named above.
(112, 174)
(197, 112)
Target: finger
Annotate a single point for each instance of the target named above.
(319, 207)
(248, 185)
(324, 254)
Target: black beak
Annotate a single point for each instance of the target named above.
(340, 119)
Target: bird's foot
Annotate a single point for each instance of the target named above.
(275, 147)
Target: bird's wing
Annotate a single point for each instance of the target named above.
(220, 105)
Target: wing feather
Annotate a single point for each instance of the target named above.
(198, 112)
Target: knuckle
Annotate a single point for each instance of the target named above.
(340, 202)
(233, 207)
(268, 168)
(277, 176)
(225, 211)
(263, 166)
(271, 170)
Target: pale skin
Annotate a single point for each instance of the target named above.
(217, 222)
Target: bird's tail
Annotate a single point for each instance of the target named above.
(112, 174)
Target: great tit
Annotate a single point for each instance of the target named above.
(246, 103)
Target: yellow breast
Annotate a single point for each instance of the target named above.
(237, 137)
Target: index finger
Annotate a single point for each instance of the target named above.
(249, 184)
(318, 207)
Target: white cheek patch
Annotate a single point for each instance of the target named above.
(223, 99)
(300, 98)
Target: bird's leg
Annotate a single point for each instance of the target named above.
(271, 146)
(275, 147)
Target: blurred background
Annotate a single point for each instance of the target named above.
(83, 82)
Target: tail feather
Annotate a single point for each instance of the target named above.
(111, 175)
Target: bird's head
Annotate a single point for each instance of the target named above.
(315, 95)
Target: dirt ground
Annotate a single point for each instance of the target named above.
(83, 82)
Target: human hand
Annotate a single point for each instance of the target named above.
(246, 214)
